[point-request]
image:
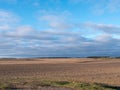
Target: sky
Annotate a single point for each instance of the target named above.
(59, 28)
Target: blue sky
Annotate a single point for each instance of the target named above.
(59, 28)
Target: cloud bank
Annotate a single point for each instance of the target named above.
(56, 35)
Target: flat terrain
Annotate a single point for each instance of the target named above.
(105, 71)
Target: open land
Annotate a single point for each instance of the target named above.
(66, 72)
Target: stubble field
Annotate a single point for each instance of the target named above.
(87, 70)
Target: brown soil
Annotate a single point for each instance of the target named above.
(106, 71)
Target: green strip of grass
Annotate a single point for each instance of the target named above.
(63, 84)
(3, 86)
(75, 85)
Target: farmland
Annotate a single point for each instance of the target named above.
(66, 73)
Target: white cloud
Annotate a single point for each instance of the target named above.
(103, 38)
(103, 6)
(106, 28)
(7, 17)
(53, 18)
(113, 5)
(4, 27)
(22, 30)
(58, 21)
(99, 7)
(7, 20)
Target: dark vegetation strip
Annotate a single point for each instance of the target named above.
(64, 85)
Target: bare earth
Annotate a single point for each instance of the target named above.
(106, 71)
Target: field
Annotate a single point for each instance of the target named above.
(60, 73)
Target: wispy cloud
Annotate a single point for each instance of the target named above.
(4, 27)
(99, 7)
(103, 6)
(7, 20)
(105, 28)
(57, 21)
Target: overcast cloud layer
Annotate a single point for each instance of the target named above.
(49, 33)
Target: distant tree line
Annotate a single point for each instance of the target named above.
(102, 57)
(98, 57)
